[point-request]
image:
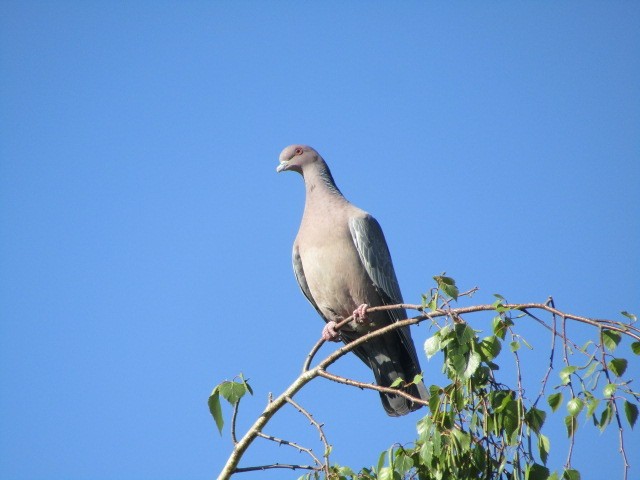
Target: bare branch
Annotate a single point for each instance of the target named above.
(323, 438)
(370, 386)
(275, 465)
(300, 448)
(234, 415)
(312, 354)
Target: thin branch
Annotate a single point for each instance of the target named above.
(275, 465)
(574, 421)
(605, 368)
(323, 438)
(234, 415)
(312, 354)
(370, 386)
(554, 333)
(300, 448)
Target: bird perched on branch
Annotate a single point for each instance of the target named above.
(342, 264)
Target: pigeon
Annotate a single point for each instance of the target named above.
(343, 266)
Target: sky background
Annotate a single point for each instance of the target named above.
(145, 236)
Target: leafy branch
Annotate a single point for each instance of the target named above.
(476, 426)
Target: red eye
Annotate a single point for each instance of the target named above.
(298, 151)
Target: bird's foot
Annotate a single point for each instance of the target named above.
(360, 315)
(329, 332)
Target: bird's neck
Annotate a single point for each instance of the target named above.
(320, 186)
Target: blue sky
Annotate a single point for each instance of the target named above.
(145, 237)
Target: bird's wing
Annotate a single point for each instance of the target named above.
(374, 254)
(302, 280)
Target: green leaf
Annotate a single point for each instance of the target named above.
(605, 417)
(232, 392)
(490, 347)
(584, 347)
(381, 461)
(214, 408)
(609, 389)
(526, 343)
(618, 366)
(515, 346)
(565, 374)
(403, 462)
(572, 425)
(447, 285)
(458, 364)
(610, 339)
(554, 400)
(464, 333)
(593, 404)
(386, 473)
(432, 345)
(592, 367)
(499, 327)
(630, 316)
(536, 472)
(426, 453)
(434, 398)
(472, 365)
(635, 348)
(571, 474)
(575, 406)
(396, 383)
(246, 384)
(511, 421)
(535, 419)
(417, 379)
(631, 412)
(463, 440)
(544, 446)
(346, 472)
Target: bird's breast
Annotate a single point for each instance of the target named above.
(337, 280)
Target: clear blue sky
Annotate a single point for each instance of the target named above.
(145, 236)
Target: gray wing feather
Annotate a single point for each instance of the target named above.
(374, 254)
(302, 280)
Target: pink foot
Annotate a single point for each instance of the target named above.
(329, 332)
(360, 314)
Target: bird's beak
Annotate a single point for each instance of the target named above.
(283, 166)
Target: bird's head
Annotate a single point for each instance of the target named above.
(296, 157)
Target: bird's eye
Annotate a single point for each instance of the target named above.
(298, 151)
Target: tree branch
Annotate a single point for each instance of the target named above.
(320, 370)
(323, 438)
(300, 448)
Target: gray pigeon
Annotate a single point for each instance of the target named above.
(342, 264)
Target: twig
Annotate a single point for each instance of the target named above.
(234, 415)
(574, 421)
(370, 386)
(468, 293)
(312, 354)
(291, 444)
(615, 409)
(554, 333)
(323, 438)
(275, 465)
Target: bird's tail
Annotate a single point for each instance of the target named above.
(389, 363)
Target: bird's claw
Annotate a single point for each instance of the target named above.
(360, 314)
(329, 332)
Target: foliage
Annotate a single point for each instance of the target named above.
(478, 427)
